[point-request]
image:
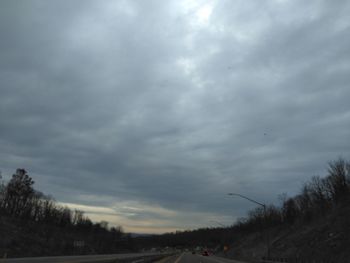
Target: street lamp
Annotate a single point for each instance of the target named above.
(265, 216)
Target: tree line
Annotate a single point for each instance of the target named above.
(21, 202)
(317, 198)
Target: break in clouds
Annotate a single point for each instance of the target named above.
(147, 113)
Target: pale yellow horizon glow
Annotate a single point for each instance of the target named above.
(122, 216)
(139, 218)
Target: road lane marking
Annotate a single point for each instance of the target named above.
(179, 258)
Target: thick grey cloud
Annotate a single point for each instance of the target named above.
(153, 110)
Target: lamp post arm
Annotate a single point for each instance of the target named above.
(265, 219)
(251, 200)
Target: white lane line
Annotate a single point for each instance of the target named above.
(179, 258)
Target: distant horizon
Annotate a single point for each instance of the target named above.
(98, 214)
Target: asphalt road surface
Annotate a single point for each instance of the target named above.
(190, 258)
(74, 259)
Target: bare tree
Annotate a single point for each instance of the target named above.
(2, 192)
(19, 192)
(338, 180)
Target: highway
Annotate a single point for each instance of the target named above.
(190, 258)
(76, 259)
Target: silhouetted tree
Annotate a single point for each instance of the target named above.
(19, 192)
(289, 211)
(2, 192)
(338, 180)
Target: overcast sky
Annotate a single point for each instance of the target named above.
(146, 113)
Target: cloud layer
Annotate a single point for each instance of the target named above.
(153, 110)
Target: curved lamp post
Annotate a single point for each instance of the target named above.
(265, 215)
